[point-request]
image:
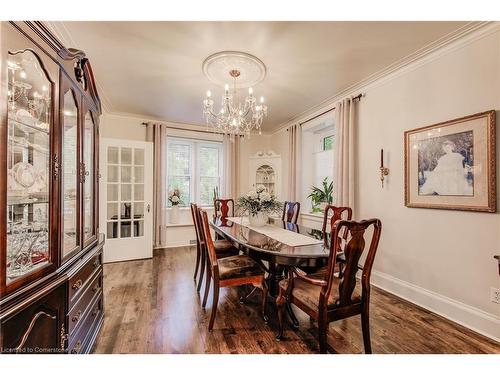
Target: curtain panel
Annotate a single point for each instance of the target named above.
(294, 165)
(157, 133)
(343, 173)
(232, 149)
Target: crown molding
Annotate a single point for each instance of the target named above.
(453, 41)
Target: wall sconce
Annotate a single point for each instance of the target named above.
(383, 170)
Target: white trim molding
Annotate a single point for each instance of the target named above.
(468, 316)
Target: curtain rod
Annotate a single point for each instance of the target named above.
(357, 97)
(190, 130)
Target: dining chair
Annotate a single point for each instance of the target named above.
(338, 213)
(236, 270)
(222, 247)
(291, 212)
(326, 297)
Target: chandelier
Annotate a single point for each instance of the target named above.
(235, 116)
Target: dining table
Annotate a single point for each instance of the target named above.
(277, 246)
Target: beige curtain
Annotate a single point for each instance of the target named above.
(232, 145)
(157, 133)
(294, 165)
(344, 153)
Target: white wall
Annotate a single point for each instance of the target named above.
(440, 259)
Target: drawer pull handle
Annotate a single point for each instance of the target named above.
(97, 263)
(77, 285)
(77, 348)
(77, 316)
(95, 311)
(96, 288)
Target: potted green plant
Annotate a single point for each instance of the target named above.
(321, 196)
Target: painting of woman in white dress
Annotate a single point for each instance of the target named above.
(445, 165)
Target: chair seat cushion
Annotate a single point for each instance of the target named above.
(309, 294)
(237, 266)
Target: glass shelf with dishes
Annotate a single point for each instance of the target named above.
(28, 165)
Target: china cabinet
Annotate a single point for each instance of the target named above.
(265, 170)
(50, 251)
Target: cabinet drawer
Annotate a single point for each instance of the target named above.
(78, 281)
(82, 306)
(78, 341)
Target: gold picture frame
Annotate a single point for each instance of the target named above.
(452, 165)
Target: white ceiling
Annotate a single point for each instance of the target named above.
(153, 69)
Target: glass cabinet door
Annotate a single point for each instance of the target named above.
(70, 240)
(88, 178)
(29, 123)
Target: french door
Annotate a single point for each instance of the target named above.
(126, 188)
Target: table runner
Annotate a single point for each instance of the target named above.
(282, 235)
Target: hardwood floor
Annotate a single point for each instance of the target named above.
(151, 306)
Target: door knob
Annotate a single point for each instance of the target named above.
(149, 207)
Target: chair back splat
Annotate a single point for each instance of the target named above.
(354, 249)
(223, 208)
(291, 212)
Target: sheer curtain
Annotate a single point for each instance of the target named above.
(344, 153)
(157, 133)
(294, 164)
(232, 146)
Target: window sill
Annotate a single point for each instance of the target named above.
(170, 225)
(184, 208)
(315, 217)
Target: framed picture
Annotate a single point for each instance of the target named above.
(451, 165)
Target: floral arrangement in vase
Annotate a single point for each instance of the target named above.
(174, 197)
(258, 204)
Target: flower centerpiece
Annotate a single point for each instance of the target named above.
(174, 197)
(258, 204)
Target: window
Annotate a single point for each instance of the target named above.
(195, 168)
(318, 144)
(327, 143)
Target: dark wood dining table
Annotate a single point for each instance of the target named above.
(278, 255)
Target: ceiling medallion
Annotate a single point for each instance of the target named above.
(243, 71)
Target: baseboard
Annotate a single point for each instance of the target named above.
(176, 244)
(468, 316)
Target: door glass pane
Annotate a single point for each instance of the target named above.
(69, 175)
(138, 210)
(139, 156)
(112, 192)
(88, 193)
(126, 155)
(126, 192)
(139, 192)
(112, 213)
(28, 159)
(112, 173)
(113, 155)
(138, 228)
(138, 174)
(112, 229)
(125, 229)
(125, 211)
(126, 174)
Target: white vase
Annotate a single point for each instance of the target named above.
(174, 214)
(259, 219)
